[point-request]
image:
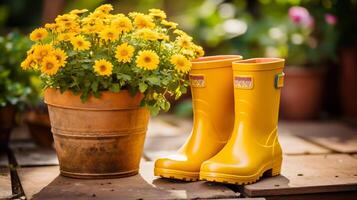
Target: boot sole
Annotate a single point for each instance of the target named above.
(176, 174)
(241, 180)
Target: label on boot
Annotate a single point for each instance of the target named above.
(197, 81)
(279, 80)
(243, 82)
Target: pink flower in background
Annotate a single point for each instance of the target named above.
(331, 19)
(301, 16)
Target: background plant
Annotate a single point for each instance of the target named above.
(88, 53)
(17, 88)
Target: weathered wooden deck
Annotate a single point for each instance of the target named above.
(320, 162)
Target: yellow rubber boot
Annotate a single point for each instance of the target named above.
(253, 148)
(213, 109)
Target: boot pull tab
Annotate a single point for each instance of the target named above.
(279, 80)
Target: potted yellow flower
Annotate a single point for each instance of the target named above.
(102, 74)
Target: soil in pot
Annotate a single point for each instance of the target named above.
(102, 138)
(302, 93)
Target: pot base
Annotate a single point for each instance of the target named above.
(99, 176)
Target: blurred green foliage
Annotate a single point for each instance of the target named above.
(17, 88)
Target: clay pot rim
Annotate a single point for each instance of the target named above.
(108, 100)
(258, 64)
(219, 61)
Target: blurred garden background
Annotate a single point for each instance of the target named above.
(316, 37)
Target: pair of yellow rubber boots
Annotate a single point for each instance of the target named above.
(234, 137)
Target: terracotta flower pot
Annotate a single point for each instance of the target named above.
(101, 138)
(7, 121)
(301, 94)
(39, 127)
(349, 82)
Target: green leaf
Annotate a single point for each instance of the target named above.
(153, 80)
(94, 86)
(142, 87)
(115, 87)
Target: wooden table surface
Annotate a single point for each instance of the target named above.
(320, 162)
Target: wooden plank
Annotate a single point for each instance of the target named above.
(332, 135)
(5, 183)
(35, 156)
(293, 145)
(309, 174)
(45, 183)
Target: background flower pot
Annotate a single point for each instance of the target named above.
(7, 120)
(349, 82)
(302, 93)
(101, 138)
(39, 126)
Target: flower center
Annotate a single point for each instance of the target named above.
(49, 65)
(102, 68)
(147, 59)
(124, 53)
(80, 43)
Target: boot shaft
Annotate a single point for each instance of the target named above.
(257, 87)
(212, 92)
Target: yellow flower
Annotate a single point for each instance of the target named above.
(171, 25)
(49, 65)
(181, 63)
(124, 52)
(109, 34)
(38, 34)
(103, 67)
(123, 24)
(29, 62)
(180, 32)
(52, 26)
(198, 50)
(148, 60)
(77, 12)
(143, 21)
(146, 34)
(105, 8)
(41, 51)
(184, 41)
(65, 36)
(61, 57)
(80, 44)
(92, 25)
(157, 13)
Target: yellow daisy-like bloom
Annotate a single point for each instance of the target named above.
(41, 51)
(103, 67)
(123, 24)
(80, 44)
(49, 65)
(180, 32)
(157, 13)
(38, 34)
(124, 52)
(171, 25)
(143, 21)
(77, 12)
(148, 60)
(181, 63)
(61, 57)
(29, 62)
(146, 34)
(184, 41)
(109, 34)
(52, 26)
(105, 8)
(92, 25)
(198, 50)
(65, 36)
